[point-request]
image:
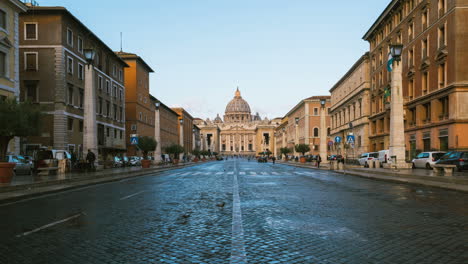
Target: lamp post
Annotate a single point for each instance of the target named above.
(296, 140)
(90, 140)
(157, 132)
(193, 138)
(181, 140)
(323, 132)
(397, 129)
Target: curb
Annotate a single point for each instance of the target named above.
(33, 190)
(401, 179)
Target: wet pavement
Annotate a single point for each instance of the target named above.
(237, 211)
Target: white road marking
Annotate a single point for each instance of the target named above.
(242, 173)
(253, 173)
(131, 195)
(230, 173)
(275, 173)
(197, 173)
(263, 173)
(185, 174)
(219, 173)
(49, 225)
(238, 255)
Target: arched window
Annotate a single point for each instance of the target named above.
(316, 132)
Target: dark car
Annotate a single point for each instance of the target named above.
(43, 158)
(458, 158)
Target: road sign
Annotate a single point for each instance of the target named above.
(337, 139)
(350, 139)
(330, 143)
(134, 140)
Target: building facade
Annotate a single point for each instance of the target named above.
(168, 125)
(9, 55)
(434, 35)
(303, 126)
(53, 71)
(240, 133)
(139, 108)
(185, 129)
(349, 111)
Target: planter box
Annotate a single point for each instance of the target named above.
(6, 171)
(302, 159)
(145, 164)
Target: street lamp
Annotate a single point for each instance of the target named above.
(322, 102)
(157, 105)
(395, 51)
(89, 55)
(297, 120)
(181, 121)
(157, 132)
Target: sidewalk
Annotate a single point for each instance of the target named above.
(27, 186)
(457, 182)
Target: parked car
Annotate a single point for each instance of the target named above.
(22, 165)
(458, 158)
(426, 159)
(339, 158)
(384, 156)
(117, 162)
(134, 161)
(367, 157)
(43, 158)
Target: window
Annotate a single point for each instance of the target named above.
(108, 108)
(70, 124)
(31, 61)
(121, 134)
(107, 87)
(81, 126)
(100, 106)
(70, 37)
(80, 45)
(140, 116)
(121, 114)
(114, 70)
(3, 19)
(427, 141)
(444, 108)
(412, 116)
(411, 89)
(114, 91)
(411, 31)
(30, 31)
(100, 82)
(115, 133)
(441, 6)
(425, 82)
(70, 94)
(328, 131)
(316, 132)
(31, 92)
(424, 48)
(442, 75)
(359, 141)
(81, 98)
(315, 111)
(443, 139)
(69, 65)
(120, 75)
(427, 113)
(121, 94)
(115, 111)
(441, 34)
(108, 131)
(3, 64)
(410, 57)
(425, 19)
(80, 71)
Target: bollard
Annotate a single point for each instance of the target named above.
(377, 164)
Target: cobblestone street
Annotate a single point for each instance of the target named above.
(235, 211)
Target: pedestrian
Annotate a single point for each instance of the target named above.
(90, 158)
(274, 159)
(319, 159)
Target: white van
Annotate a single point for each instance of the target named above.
(384, 156)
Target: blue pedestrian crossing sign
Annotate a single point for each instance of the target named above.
(350, 139)
(337, 139)
(134, 139)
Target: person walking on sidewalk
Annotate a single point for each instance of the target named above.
(319, 159)
(273, 159)
(90, 158)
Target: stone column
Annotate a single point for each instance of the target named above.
(157, 135)
(397, 129)
(296, 139)
(90, 140)
(323, 135)
(181, 139)
(306, 124)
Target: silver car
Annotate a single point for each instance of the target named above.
(22, 165)
(427, 159)
(367, 157)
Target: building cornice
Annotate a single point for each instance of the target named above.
(358, 63)
(381, 18)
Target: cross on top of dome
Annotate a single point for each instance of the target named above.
(238, 94)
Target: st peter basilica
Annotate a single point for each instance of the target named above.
(238, 132)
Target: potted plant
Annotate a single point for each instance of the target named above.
(285, 151)
(18, 119)
(175, 150)
(302, 148)
(196, 153)
(204, 153)
(146, 144)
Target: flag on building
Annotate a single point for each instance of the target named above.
(390, 62)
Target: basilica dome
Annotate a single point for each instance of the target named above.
(237, 105)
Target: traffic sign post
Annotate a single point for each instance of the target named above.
(338, 139)
(350, 139)
(134, 139)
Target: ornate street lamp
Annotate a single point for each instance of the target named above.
(297, 120)
(395, 51)
(181, 121)
(157, 105)
(89, 55)
(322, 102)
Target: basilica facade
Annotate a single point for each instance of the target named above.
(238, 132)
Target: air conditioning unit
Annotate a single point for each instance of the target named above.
(134, 127)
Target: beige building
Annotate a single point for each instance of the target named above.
(9, 55)
(435, 77)
(303, 124)
(240, 133)
(168, 125)
(186, 133)
(349, 109)
(54, 71)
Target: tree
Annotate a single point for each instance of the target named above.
(175, 149)
(285, 151)
(205, 153)
(18, 119)
(196, 153)
(146, 144)
(302, 148)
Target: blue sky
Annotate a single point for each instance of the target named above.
(277, 51)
